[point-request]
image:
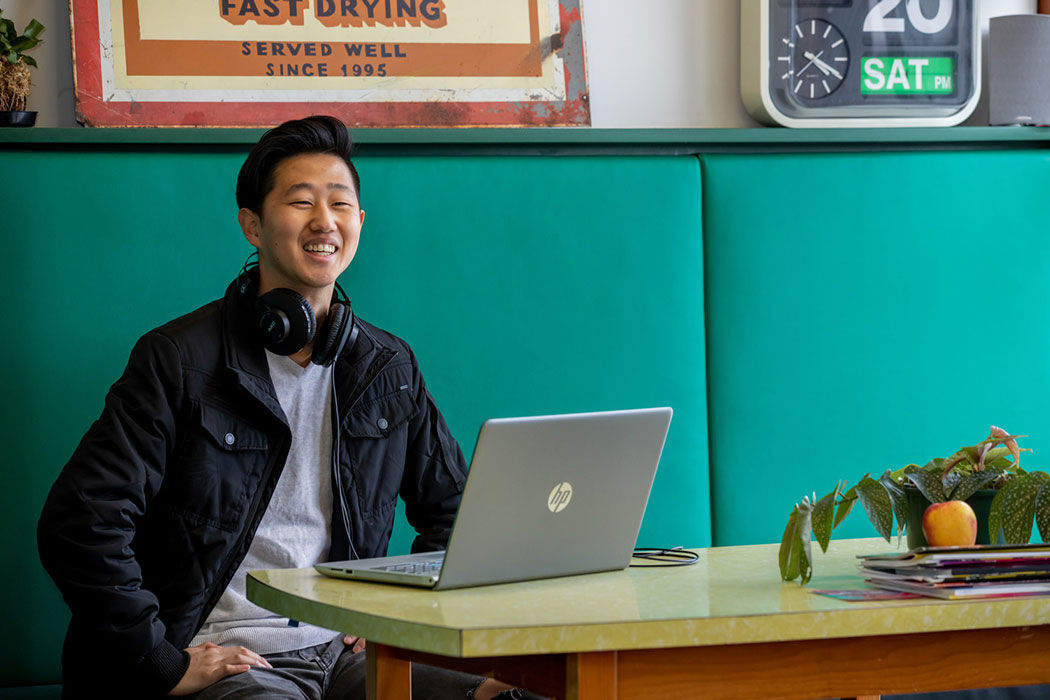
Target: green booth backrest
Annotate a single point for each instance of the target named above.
(526, 285)
(866, 311)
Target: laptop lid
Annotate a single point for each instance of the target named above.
(554, 496)
(547, 496)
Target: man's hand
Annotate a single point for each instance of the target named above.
(210, 663)
(358, 643)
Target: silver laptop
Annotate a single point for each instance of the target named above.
(546, 496)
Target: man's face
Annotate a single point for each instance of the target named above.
(309, 227)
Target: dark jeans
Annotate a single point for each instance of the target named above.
(333, 671)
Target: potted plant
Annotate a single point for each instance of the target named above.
(989, 471)
(15, 84)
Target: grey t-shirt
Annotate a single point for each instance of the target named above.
(295, 531)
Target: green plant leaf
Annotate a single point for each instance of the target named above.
(995, 454)
(972, 483)
(845, 507)
(929, 482)
(33, 29)
(965, 454)
(877, 505)
(795, 557)
(995, 518)
(899, 474)
(951, 479)
(30, 61)
(1042, 512)
(13, 46)
(1017, 509)
(23, 44)
(788, 553)
(899, 500)
(823, 518)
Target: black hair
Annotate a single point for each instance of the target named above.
(316, 134)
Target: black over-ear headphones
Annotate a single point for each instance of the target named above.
(286, 321)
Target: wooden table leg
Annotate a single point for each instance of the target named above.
(591, 676)
(388, 677)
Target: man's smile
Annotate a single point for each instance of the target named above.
(320, 248)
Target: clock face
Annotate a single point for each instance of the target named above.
(821, 60)
(815, 58)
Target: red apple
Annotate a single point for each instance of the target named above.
(950, 524)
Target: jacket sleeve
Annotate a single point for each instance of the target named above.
(435, 472)
(87, 529)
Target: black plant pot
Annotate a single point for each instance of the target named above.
(17, 118)
(981, 502)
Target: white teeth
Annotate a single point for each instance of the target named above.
(324, 248)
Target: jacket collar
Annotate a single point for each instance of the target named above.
(245, 356)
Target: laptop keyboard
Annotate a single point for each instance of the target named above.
(420, 567)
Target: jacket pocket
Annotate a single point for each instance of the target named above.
(380, 417)
(373, 454)
(221, 459)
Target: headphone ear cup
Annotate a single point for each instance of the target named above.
(286, 321)
(333, 334)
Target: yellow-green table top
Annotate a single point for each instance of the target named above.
(732, 595)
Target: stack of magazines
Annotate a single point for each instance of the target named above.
(982, 571)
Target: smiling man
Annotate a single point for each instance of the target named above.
(270, 428)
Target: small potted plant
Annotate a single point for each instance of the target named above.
(15, 84)
(988, 475)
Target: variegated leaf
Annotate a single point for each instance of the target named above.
(929, 483)
(877, 505)
(1042, 512)
(960, 456)
(795, 556)
(949, 481)
(823, 519)
(845, 506)
(899, 500)
(995, 520)
(972, 483)
(1018, 508)
(788, 553)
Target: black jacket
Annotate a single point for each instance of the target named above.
(148, 521)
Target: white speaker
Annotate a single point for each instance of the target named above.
(1019, 70)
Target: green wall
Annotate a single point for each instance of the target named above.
(866, 311)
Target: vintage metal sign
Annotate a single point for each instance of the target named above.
(370, 62)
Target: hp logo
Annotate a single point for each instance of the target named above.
(560, 497)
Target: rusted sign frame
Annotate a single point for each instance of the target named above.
(192, 57)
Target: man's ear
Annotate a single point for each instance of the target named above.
(250, 225)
